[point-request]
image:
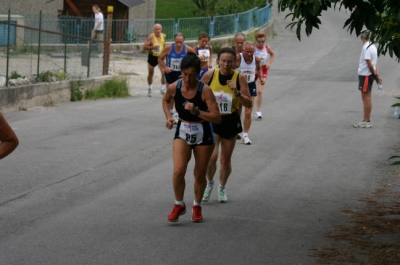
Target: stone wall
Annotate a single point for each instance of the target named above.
(41, 94)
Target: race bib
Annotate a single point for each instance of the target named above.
(264, 56)
(157, 50)
(250, 75)
(176, 64)
(205, 53)
(224, 101)
(192, 133)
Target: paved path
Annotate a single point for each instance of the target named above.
(90, 182)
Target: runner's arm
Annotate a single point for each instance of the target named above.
(8, 139)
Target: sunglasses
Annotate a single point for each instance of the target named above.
(261, 41)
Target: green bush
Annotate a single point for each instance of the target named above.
(76, 93)
(15, 75)
(117, 87)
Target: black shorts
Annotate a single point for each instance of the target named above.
(365, 83)
(229, 127)
(152, 60)
(253, 89)
(207, 139)
(172, 77)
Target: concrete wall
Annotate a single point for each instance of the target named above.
(42, 94)
(146, 10)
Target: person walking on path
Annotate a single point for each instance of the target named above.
(205, 53)
(173, 54)
(8, 140)
(367, 73)
(230, 88)
(197, 108)
(267, 57)
(155, 44)
(249, 65)
(97, 31)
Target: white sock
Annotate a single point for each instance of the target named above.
(210, 183)
(196, 203)
(245, 135)
(150, 87)
(181, 203)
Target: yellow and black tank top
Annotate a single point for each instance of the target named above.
(226, 99)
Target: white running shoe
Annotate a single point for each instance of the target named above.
(207, 193)
(363, 124)
(162, 90)
(149, 92)
(246, 140)
(258, 115)
(222, 196)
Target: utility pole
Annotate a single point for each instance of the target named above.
(107, 46)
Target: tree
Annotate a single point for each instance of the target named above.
(224, 7)
(381, 17)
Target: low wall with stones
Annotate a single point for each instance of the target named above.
(41, 94)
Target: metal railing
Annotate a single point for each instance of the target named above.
(36, 44)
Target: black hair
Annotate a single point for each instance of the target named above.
(227, 50)
(191, 60)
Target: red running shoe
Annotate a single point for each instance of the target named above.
(197, 217)
(176, 212)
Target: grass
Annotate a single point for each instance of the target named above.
(175, 9)
(117, 87)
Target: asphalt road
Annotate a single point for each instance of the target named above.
(90, 182)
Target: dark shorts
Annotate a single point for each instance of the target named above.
(208, 134)
(98, 31)
(253, 89)
(229, 127)
(365, 83)
(152, 60)
(202, 72)
(172, 77)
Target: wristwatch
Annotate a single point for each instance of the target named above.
(196, 111)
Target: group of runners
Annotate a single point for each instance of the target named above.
(205, 105)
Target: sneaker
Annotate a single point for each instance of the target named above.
(162, 91)
(246, 140)
(149, 92)
(197, 217)
(258, 115)
(176, 212)
(238, 137)
(207, 193)
(222, 196)
(363, 124)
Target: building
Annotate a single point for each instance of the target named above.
(123, 9)
(80, 10)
